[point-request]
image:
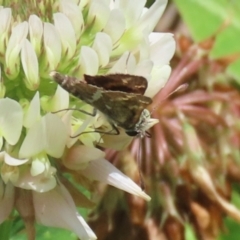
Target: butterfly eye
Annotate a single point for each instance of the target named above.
(131, 133)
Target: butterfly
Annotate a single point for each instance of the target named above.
(118, 96)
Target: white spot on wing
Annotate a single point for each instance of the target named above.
(97, 95)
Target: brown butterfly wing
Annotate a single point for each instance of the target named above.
(119, 82)
(122, 108)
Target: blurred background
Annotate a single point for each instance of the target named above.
(191, 165)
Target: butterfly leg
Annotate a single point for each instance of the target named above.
(93, 114)
(109, 132)
(103, 132)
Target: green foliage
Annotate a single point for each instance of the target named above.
(205, 17)
(5, 228)
(189, 232)
(231, 232)
(47, 233)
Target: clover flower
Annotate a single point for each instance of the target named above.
(191, 163)
(36, 143)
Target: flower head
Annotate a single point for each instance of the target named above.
(191, 163)
(36, 136)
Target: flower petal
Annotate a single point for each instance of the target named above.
(52, 46)
(67, 34)
(125, 64)
(81, 128)
(132, 10)
(159, 78)
(19, 34)
(57, 209)
(38, 167)
(59, 101)
(116, 25)
(103, 46)
(47, 135)
(103, 171)
(74, 14)
(162, 47)
(72, 140)
(1, 142)
(117, 142)
(6, 200)
(56, 135)
(33, 112)
(36, 33)
(144, 68)
(5, 21)
(130, 39)
(2, 85)
(40, 183)
(9, 173)
(98, 15)
(11, 120)
(30, 65)
(88, 61)
(77, 156)
(14, 161)
(151, 17)
(66, 119)
(203, 180)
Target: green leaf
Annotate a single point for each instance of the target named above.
(236, 198)
(5, 230)
(47, 233)
(232, 230)
(189, 232)
(205, 17)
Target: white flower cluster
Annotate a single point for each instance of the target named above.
(90, 37)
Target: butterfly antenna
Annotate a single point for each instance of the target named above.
(139, 163)
(127, 59)
(93, 114)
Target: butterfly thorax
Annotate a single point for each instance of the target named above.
(141, 126)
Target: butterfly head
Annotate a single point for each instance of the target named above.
(145, 122)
